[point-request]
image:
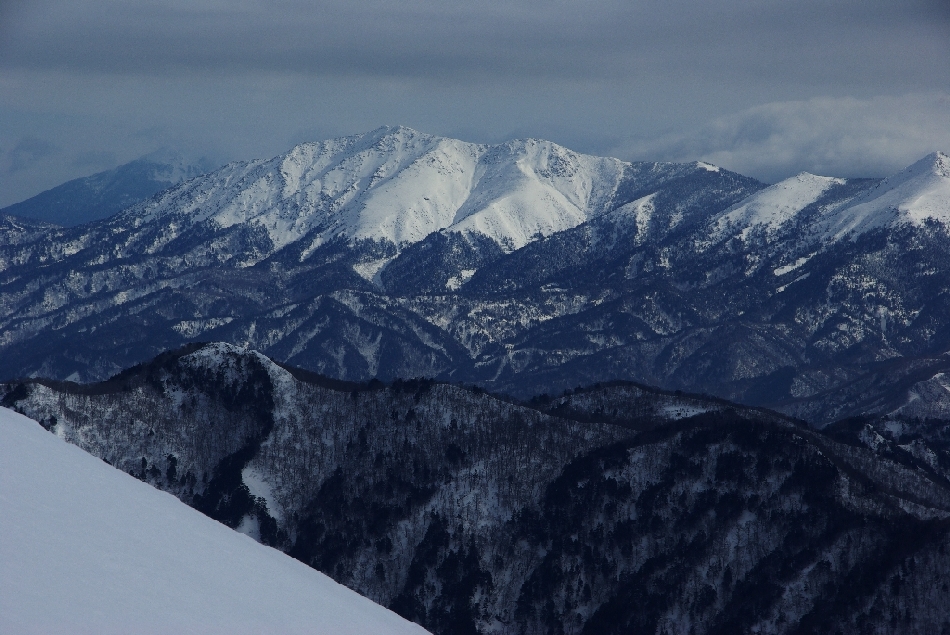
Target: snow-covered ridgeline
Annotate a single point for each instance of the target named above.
(86, 548)
(774, 206)
(912, 196)
(400, 185)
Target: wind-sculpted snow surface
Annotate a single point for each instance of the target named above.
(87, 549)
(611, 509)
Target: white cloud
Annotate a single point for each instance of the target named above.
(829, 136)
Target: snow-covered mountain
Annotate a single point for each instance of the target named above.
(918, 194)
(774, 206)
(398, 185)
(522, 266)
(328, 220)
(106, 193)
(86, 548)
(611, 509)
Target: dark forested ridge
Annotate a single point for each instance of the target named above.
(608, 509)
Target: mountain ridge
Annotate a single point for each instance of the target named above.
(918, 193)
(684, 276)
(472, 514)
(106, 193)
(398, 185)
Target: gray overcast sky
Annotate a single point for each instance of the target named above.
(768, 88)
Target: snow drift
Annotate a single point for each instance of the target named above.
(86, 548)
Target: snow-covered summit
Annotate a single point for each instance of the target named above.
(775, 205)
(86, 548)
(173, 167)
(841, 207)
(913, 195)
(400, 185)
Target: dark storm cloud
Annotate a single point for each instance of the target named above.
(767, 87)
(739, 40)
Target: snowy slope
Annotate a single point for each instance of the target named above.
(106, 193)
(839, 207)
(917, 193)
(775, 205)
(535, 187)
(638, 212)
(85, 548)
(400, 185)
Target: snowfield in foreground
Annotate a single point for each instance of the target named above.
(86, 548)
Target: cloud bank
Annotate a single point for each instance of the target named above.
(830, 136)
(766, 87)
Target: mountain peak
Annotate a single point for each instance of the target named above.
(918, 193)
(936, 162)
(399, 185)
(106, 193)
(394, 136)
(774, 206)
(398, 129)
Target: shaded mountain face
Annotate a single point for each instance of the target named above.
(101, 195)
(612, 509)
(524, 267)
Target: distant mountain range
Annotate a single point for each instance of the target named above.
(106, 193)
(575, 496)
(523, 267)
